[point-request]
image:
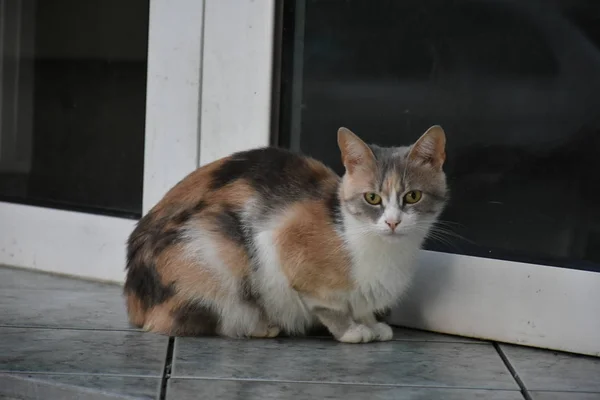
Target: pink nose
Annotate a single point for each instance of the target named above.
(392, 225)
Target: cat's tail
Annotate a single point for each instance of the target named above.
(153, 303)
(136, 312)
(142, 280)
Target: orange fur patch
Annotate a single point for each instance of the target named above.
(135, 310)
(237, 194)
(312, 255)
(391, 183)
(160, 318)
(188, 191)
(193, 280)
(234, 257)
(357, 184)
(173, 318)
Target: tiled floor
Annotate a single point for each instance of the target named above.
(66, 339)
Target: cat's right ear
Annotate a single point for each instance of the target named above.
(356, 155)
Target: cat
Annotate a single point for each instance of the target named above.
(266, 241)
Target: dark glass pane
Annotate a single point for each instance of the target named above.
(513, 83)
(72, 105)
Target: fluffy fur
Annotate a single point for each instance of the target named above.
(265, 241)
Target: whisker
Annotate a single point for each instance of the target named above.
(449, 223)
(440, 235)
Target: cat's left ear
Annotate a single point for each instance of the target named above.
(430, 149)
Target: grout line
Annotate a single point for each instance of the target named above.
(513, 372)
(342, 383)
(70, 328)
(330, 339)
(167, 369)
(54, 373)
(567, 391)
(401, 339)
(306, 337)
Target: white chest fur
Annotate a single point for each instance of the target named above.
(382, 267)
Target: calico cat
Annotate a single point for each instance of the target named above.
(267, 241)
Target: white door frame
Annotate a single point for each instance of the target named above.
(209, 94)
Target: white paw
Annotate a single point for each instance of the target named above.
(273, 331)
(383, 332)
(266, 332)
(358, 334)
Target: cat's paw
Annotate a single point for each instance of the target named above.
(383, 332)
(273, 331)
(358, 334)
(267, 332)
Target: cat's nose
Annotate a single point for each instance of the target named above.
(392, 224)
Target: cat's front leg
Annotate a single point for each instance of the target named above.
(343, 327)
(383, 332)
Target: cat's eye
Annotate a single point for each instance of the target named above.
(373, 198)
(413, 196)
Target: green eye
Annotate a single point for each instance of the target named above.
(373, 198)
(413, 196)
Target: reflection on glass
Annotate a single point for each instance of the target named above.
(513, 83)
(72, 103)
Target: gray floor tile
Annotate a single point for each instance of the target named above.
(192, 389)
(407, 334)
(554, 371)
(75, 387)
(40, 300)
(79, 351)
(34, 299)
(564, 396)
(423, 336)
(17, 278)
(398, 363)
(93, 309)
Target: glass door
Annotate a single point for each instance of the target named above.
(73, 104)
(514, 84)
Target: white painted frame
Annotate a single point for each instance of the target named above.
(505, 301)
(237, 73)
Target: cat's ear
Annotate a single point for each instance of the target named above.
(356, 155)
(430, 149)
